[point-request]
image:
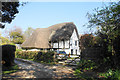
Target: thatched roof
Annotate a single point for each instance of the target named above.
(42, 37)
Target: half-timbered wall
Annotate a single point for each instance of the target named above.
(68, 45)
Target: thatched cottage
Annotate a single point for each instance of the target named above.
(61, 37)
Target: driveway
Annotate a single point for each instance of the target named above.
(30, 69)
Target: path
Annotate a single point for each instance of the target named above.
(30, 69)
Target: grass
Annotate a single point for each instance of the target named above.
(8, 70)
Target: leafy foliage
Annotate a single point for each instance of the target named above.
(9, 11)
(25, 54)
(111, 74)
(107, 74)
(116, 74)
(45, 57)
(108, 20)
(83, 69)
(16, 36)
(87, 40)
(86, 65)
(4, 40)
(35, 55)
(28, 32)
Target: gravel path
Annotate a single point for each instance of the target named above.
(30, 69)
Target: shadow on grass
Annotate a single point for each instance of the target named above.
(8, 70)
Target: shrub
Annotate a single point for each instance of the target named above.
(113, 74)
(36, 55)
(44, 56)
(8, 55)
(25, 54)
(86, 65)
(116, 75)
(107, 74)
(82, 67)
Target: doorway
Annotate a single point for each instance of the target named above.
(71, 51)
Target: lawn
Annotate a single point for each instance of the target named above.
(8, 70)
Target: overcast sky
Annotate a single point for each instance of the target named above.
(45, 14)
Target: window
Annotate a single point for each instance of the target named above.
(75, 43)
(71, 51)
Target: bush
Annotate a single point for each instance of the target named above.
(25, 54)
(36, 55)
(107, 74)
(116, 75)
(86, 65)
(44, 56)
(113, 74)
(8, 55)
(82, 67)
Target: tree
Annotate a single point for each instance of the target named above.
(28, 32)
(86, 40)
(16, 36)
(4, 40)
(108, 21)
(8, 11)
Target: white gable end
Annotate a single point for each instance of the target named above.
(74, 43)
(74, 36)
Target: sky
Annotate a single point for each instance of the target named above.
(45, 14)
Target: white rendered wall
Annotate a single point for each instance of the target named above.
(61, 44)
(55, 45)
(67, 44)
(33, 50)
(68, 47)
(74, 38)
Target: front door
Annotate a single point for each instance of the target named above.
(71, 51)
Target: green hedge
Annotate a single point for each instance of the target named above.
(36, 55)
(8, 55)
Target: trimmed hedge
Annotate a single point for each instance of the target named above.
(36, 55)
(8, 55)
